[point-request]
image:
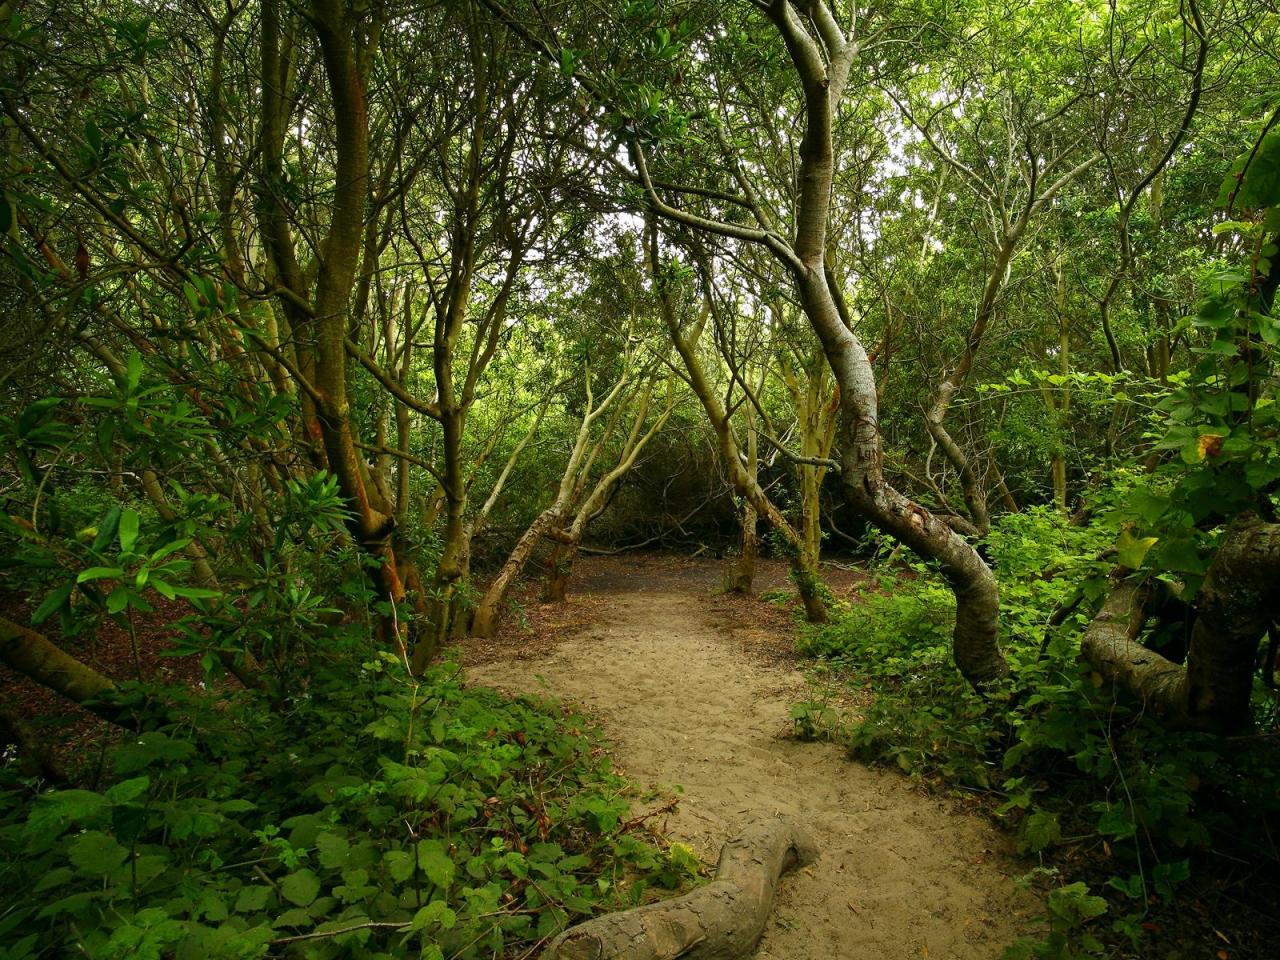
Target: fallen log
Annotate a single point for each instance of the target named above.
(32, 654)
(722, 920)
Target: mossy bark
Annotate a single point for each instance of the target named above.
(35, 656)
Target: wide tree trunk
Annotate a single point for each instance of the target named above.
(741, 574)
(559, 571)
(35, 758)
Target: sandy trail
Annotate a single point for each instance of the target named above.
(901, 875)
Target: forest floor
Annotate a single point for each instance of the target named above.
(693, 688)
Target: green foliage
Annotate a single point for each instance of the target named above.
(377, 817)
(1070, 762)
(1069, 909)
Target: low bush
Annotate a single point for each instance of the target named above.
(373, 817)
(1073, 767)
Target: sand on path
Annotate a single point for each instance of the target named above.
(901, 874)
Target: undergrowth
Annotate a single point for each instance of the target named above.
(1119, 811)
(374, 817)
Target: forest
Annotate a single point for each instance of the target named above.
(791, 479)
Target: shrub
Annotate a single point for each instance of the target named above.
(1070, 762)
(369, 818)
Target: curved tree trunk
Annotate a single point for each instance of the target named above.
(975, 640)
(568, 542)
(975, 643)
(490, 609)
(722, 920)
(1235, 607)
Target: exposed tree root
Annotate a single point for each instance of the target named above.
(720, 921)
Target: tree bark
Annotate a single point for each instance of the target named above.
(722, 920)
(742, 569)
(565, 553)
(975, 639)
(489, 611)
(35, 656)
(1234, 608)
(740, 479)
(34, 756)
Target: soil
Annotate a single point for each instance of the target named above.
(694, 689)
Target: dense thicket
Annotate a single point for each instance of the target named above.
(328, 322)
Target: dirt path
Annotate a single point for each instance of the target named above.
(900, 875)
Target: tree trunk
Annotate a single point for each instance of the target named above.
(490, 609)
(35, 759)
(742, 570)
(1234, 608)
(559, 571)
(822, 60)
(35, 656)
(975, 642)
(568, 541)
(730, 452)
(741, 574)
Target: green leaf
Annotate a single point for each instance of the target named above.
(99, 573)
(128, 790)
(435, 862)
(52, 603)
(331, 849)
(106, 530)
(1132, 550)
(93, 136)
(252, 898)
(1042, 829)
(1074, 902)
(1148, 506)
(436, 912)
(119, 599)
(1258, 176)
(133, 371)
(196, 593)
(128, 530)
(300, 887)
(399, 865)
(169, 548)
(96, 853)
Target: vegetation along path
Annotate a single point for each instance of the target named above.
(900, 875)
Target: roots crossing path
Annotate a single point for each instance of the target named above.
(900, 874)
